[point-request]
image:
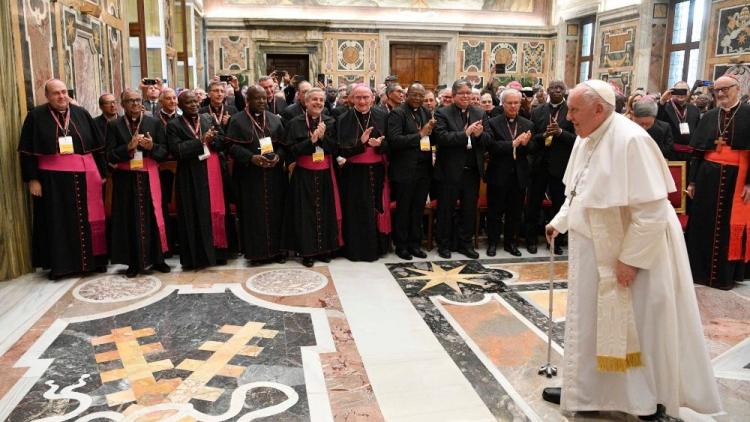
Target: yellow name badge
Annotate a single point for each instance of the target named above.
(548, 141)
(266, 146)
(66, 144)
(424, 144)
(137, 161)
(318, 155)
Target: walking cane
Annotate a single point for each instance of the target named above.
(550, 370)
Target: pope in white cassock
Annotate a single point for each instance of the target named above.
(633, 336)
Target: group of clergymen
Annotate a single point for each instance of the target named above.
(315, 178)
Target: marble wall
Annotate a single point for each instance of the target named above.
(351, 57)
(728, 43)
(614, 52)
(80, 42)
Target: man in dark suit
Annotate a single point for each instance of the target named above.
(549, 149)
(276, 104)
(644, 113)
(682, 117)
(460, 138)
(108, 106)
(507, 172)
(409, 128)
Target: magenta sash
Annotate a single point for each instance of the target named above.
(307, 163)
(94, 201)
(216, 199)
(372, 157)
(683, 148)
(154, 184)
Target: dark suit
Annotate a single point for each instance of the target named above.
(662, 134)
(507, 176)
(692, 116)
(458, 170)
(339, 110)
(410, 171)
(548, 164)
(276, 105)
(152, 107)
(100, 122)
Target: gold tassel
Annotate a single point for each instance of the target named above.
(615, 364)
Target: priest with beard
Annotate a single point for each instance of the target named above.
(312, 221)
(365, 199)
(201, 209)
(135, 144)
(62, 161)
(410, 152)
(255, 139)
(719, 183)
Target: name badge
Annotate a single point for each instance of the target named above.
(206, 153)
(137, 161)
(468, 145)
(424, 144)
(66, 144)
(318, 155)
(266, 146)
(684, 129)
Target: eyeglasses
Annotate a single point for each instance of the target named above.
(725, 89)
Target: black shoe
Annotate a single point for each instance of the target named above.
(417, 252)
(221, 262)
(403, 254)
(552, 394)
(661, 412)
(308, 262)
(100, 269)
(161, 267)
(558, 249)
(469, 252)
(132, 272)
(55, 277)
(491, 249)
(280, 259)
(531, 246)
(256, 262)
(512, 249)
(324, 258)
(444, 253)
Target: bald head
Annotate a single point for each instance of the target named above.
(57, 94)
(726, 91)
(415, 95)
(257, 100)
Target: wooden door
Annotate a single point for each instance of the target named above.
(295, 64)
(416, 62)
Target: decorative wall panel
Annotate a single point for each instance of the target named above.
(84, 61)
(350, 57)
(615, 52)
(728, 36)
(525, 59)
(533, 57)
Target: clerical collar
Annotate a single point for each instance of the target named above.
(732, 107)
(553, 105)
(134, 119)
(170, 115)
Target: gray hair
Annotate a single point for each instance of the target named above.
(165, 92)
(312, 91)
(592, 96)
(458, 84)
(645, 108)
(509, 91)
(392, 87)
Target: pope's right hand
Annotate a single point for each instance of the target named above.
(550, 232)
(35, 188)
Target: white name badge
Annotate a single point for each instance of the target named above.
(424, 143)
(266, 146)
(468, 145)
(684, 129)
(66, 144)
(137, 161)
(206, 153)
(318, 155)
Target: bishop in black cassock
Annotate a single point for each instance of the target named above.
(720, 186)
(201, 209)
(365, 201)
(313, 213)
(135, 145)
(62, 160)
(255, 138)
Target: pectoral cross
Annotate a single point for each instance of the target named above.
(720, 142)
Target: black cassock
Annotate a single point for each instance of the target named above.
(260, 191)
(136, 240)
(311, 223)
(61, 233)
(362, 185)
(194, 220)
(708, 230)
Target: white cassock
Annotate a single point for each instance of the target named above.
(627, 172)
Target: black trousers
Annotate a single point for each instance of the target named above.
(410, 200)
(504, 200)
(462, 227)
(541, 181)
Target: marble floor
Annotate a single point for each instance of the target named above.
(424, 340)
